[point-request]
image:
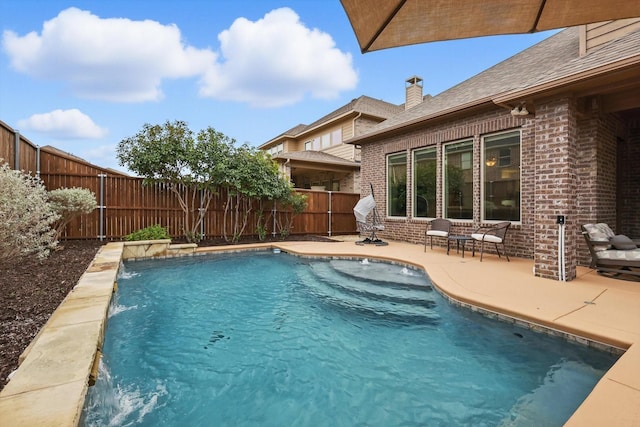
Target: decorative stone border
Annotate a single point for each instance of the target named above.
(144, 249)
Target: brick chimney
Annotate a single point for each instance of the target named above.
(413, 92)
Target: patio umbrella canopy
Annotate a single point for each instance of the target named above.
(381, 24)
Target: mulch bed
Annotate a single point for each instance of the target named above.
(30, 291)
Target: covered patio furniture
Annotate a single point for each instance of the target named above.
(495, 234)
(438, 227)
(612, 255)
(362, 210)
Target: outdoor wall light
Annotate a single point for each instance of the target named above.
(520, 110)
(491, 161)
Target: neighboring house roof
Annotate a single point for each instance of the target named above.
(364, 104)
(317, 157)
(550, 60)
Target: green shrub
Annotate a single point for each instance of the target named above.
(154, 232)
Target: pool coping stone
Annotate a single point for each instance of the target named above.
(51, 383)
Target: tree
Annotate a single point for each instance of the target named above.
(192, 168)
(293, 204)
(26, 216)
(252, 178)
(69, 203)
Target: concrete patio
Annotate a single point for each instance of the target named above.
(49, 387)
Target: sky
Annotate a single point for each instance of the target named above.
(83, 75)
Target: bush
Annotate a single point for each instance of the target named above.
(154, 232)
(69, 203)
(26, 216)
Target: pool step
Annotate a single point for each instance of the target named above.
(334, 288)
(361, 285)
(382, 273)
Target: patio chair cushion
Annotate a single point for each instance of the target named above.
(486, 237)
(620, 255)
(600, 233)
(622, 242)
(438, 233)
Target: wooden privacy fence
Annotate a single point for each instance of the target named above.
(126, 205)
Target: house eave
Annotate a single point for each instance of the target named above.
(442, 115)
(583, 83)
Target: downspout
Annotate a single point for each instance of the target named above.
(355, 147)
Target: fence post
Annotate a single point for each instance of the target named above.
(200, 209)
(16, 157)
(101, 235)
(329, 228)
(274, 212)
(38, 161)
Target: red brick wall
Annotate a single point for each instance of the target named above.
(596, 169)
(629, 180)
(555, 185)
(569, 167)
(411, 229)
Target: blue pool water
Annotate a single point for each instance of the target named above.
(263, 339)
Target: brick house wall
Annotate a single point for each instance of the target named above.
(555, 186)
(628, 221)
(597, 173)
(568, 167)
(475, 127)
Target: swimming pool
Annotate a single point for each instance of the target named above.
(265, 339)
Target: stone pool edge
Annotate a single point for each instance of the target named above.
(50, 386)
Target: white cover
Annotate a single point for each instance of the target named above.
(363, 208)
(486, 237)
(622, 255)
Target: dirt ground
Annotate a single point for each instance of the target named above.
(30, 291)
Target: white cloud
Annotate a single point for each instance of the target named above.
(63, 124)
(112, 59)
(276, 61)
(271, 62)
(103, 155)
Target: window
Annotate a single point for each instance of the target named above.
(276, 149)
(312, 145)
(326, 140)
(424, 183)
(501, 177)
(336, 137)
(458, 180)
(397, 184)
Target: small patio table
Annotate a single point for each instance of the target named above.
(459, 240)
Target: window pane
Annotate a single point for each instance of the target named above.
(501, 171)
(336, 137)
(424, 181)
(397, 185)
(458, 180)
